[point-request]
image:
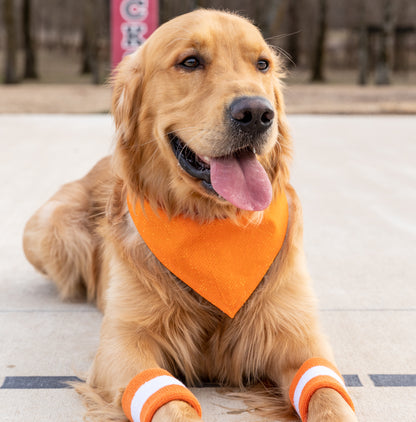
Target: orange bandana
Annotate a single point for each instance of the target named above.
(223, 262)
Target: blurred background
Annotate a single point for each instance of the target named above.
(331, 42)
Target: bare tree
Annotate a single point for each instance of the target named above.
(267, 14)
(293, 17)
(30, 56)
(319, 50)
(85, 49)
(94, 32)
(363, 46)
(10, 71)
(91, 55)
(382, 75)
(171, 8)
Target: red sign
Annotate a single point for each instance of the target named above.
(132, 22)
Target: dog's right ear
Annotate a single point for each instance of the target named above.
(127, 82)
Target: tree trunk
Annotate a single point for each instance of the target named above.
(10, 71)
(382, 76)
(363, 48)
(265, 14)
(30, 56)
(85, 60)
(90, 57)
(319, 51)
(169, 9)
(294, 28)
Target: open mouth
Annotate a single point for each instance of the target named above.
(194, 165)
(239, 178)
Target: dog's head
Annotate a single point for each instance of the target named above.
(200, 118)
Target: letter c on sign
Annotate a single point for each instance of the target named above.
(134, 10)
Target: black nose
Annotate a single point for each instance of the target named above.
(252, 114)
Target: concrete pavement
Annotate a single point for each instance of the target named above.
(356, 177)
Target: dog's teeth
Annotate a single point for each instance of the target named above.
(205, 159)
(254, 150)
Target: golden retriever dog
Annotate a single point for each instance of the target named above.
(201, 138)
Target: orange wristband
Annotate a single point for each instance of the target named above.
(150, 390)
(314, 374)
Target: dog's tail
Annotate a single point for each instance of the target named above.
(265, 401)
(98, 409)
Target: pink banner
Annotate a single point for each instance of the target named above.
(132, 22)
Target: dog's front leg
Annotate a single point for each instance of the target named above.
(155, 395)
(127, 381)
(313, 385)
(176, 411)
(327, 405)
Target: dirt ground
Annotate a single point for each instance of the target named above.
(300, 99)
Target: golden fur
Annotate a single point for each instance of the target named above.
(84, 240)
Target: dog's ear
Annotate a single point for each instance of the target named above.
(127, 83)
(283, 150)
(284, 136)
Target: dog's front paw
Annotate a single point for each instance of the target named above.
(176, 411)
(327, 405)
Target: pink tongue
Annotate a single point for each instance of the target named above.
(242, 181)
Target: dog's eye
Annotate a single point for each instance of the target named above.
(262, 65)
(190, 63)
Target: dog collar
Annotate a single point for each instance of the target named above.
(222, 261)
